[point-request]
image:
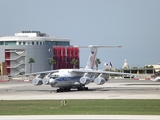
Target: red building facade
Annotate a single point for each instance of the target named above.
(7, 57)
(64, 55)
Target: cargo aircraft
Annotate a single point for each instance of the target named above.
(156, 77)
(66, 79)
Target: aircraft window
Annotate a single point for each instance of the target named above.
(54, 77)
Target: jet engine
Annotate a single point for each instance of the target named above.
(37, 81)
(46, 80)
(85, 80)
(99, 81)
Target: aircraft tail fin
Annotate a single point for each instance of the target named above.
(93, 53)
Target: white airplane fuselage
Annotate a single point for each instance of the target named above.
(65, 79)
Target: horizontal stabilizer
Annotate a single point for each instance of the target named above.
(97, 46)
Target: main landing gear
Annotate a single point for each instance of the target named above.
(68, 89)
(82, 88)
(63, 89)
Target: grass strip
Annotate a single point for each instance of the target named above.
(80, 107)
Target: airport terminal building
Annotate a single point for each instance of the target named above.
(16, 51)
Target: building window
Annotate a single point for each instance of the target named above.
(53, 42)
(1, 43)
(37, 43)
(10, 42)
(28, 43)
(47, 43)
(32, 43)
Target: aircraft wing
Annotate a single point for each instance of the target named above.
(98, 71)
(43, 72)
(106, 72)
(36, 73)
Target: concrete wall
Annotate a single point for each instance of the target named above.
(39, 53)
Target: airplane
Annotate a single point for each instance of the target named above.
(156, 77)
(67, 79)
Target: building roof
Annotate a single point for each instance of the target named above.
(31, 36)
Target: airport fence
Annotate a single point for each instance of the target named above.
(4, 78)
(142, 77)
(23, 78)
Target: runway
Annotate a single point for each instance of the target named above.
(113, 89)
(81, 117)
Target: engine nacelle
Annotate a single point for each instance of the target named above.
(46, 80)
(85, 80)
(37, 81)
(99, 81)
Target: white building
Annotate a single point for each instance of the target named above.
(16, 51)
(125, 65)
(155, 66)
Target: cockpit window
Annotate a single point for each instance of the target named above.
(54, 76)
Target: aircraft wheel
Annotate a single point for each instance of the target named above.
(65, 89)
(62, 90)
(68, 89)
(86, 88)
(58, 90)
(82, 88)
(79, 88)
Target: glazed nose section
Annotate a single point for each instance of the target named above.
(53, 82)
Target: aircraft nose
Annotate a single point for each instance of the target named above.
(53, 82)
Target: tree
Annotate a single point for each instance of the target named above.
(148, 66)
(74, 62)
(52, 62)
(97, 62)
(31, 60)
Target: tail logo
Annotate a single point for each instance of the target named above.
(92, 57)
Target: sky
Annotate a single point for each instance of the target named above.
(132, 24)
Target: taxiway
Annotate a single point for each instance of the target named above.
(113, 89)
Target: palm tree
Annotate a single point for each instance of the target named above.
(52, 62)
(31, 60)
(74, 62)
(97, 62)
